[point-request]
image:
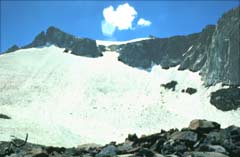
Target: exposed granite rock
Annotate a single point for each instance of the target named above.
(204, 154)
(196, 55)
(109, 150)
(190, 90)
(170, 85)
(198, 140)
(168, 52)
(185, 136)
(199, 125)
(226, 99)
(213, 148)
(223, 57)
(215, 51)
(77, 46)
(3, 116)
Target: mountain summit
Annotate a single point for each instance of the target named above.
(215, 51)
(54, 36)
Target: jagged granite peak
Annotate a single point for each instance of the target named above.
(223, 57)
(215, 51)
(78, 46)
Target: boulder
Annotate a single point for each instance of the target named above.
(203, 126)
(123, 148)
(3, 116)
(109, 150)
(190, 90)
(204, 154)
(185, 136)
(226, 99)
(132, 137)
(231, 140)
(170, 85)
(41, 155)
(213, 148)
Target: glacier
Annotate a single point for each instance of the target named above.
(66, 100)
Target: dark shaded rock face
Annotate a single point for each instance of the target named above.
(170, 85)
(215, 51)
(201, 139)
(78, 46)
(168, 52)
(226, 99)
(195, 57)
(190, 90)
(3, 116)
(223, 57)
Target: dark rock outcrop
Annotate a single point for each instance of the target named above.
(190, 90)
(78, 46)
(223, 57)
(195, 57)
(215, 51)
(170, 85)
(3, 116)
(201, 139)
(168, 52)
(204, 154)
(201, 126)
(226, 99)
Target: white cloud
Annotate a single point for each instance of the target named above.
(143, 22)
(120, 19)
(107, 28)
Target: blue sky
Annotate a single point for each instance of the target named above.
(21, 21)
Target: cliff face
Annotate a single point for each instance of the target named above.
(214, 52)
(196, 56)
(78, 46)
(223, 57)
(167, 52)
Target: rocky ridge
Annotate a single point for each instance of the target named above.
(200, 139)
(78, 46)
(214, 52)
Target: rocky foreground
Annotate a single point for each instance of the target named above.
(200, 139)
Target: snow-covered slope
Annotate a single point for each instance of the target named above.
(67, 100)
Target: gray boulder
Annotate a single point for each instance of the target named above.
(226, 99)
(109, 150)
(203, 126)
(204, 154)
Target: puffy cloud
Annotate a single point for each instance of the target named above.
(143, 22)
(120, 19)
(107, 28)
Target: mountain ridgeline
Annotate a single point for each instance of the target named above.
(215, 51)
(78, 46)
